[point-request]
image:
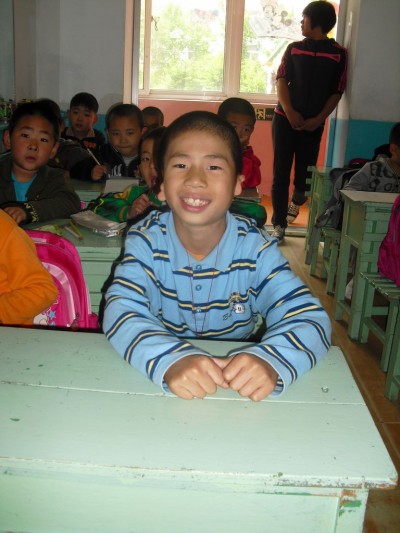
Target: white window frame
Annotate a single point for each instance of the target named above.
(232, 61)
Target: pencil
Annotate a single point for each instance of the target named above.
(93, 156)
(71, 232)
(76, 229)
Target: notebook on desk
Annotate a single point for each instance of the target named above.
(119, 184)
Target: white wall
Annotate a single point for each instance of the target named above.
(375, 72)
(67, 46)
(7, 89)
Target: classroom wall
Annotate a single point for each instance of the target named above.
(371, 104)
(66, 46)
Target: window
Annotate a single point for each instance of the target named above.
(210, 49)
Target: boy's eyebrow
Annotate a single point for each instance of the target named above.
(206, 156)
(46, 132)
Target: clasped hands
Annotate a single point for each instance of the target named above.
(196, 376)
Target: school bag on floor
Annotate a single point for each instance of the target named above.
(389, 251)
(72, 309)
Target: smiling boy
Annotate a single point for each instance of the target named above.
(120, 156)
(199, 271)
(30, 191)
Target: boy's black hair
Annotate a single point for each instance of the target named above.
(54, 106)
(394, 137)
(201, 121)
(124, 110)
(85, 100)
(154, 112)
(321, 13)
(237, 105)
(156, 136)
(39, 108)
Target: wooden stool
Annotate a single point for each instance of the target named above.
(391, 350)
(330, 254)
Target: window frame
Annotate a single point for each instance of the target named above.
(235, 11)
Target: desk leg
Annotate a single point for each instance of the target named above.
(339, 304)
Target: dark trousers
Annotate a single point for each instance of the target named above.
(289, 144)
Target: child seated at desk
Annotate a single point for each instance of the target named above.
(82, 115)
(26, 288)
(120, 156)
(241, 115)
(200, 271)
(382, 175)
(137, 201)
(153, 118)
(31, 191)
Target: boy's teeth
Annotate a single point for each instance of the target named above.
(196, 202)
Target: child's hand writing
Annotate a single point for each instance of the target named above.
(248, 374)
(98, 172)
(194, 376)
(139, 206)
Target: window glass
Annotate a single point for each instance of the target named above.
(187, 45)
(269, 26)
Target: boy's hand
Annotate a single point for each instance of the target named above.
(248, 374)
(17, 213)
(311, 124)
(194, 376)
(98, 172)
(295, 119)
(139, 206)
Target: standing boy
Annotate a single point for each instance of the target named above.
(30, 191)
(82, 115)
(310, 81)
(199, 271)
(120, 156)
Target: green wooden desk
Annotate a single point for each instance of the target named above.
(320, 193)
(99, 255)
(87, 190)
(88, 444)
(365, 222)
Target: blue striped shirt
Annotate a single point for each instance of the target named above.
(161, 297)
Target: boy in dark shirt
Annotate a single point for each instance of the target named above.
(119, 157)
(310, 81)
(82, 115)
(31, 191)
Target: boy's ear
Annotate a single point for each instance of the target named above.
(54, 150)
(238, 185)
(96, 118)
(161, 195)
(7, 140)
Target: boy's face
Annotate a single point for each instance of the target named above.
(125, 135)
(243, 126)
(151, 122)
(148, 170)
(395, 153)
(81, 121)
(306, 28)
(199, 181)
(32, 145)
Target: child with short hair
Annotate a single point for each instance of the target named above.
(137, 201)
(153, 118)
(26, 288)
(31, 191)
(310, 82)
(82, 115)
(240, 113)
(120, 156)
(382, 175)
(199, 271)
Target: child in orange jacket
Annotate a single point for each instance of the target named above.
(26, 288)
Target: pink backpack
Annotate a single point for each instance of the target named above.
(389, 251)
(72, 309)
